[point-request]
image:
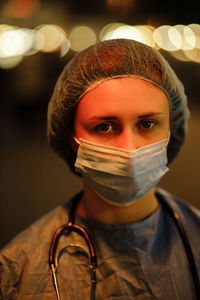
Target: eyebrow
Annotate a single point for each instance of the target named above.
(96, 117)
(150, 115)
(99, 117)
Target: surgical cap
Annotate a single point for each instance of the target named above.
(105, 60)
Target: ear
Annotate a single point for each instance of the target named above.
(73, 143)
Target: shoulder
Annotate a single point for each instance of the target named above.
(36, 233)
(25, 258)
(188, 214)
(185, 209)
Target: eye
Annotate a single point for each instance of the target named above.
(147, 124)
(104, 128)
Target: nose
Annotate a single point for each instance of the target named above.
(128, 140)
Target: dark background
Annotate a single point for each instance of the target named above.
(33, 179)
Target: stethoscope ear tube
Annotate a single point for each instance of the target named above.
(55, 282)
(59, 231)
(175, 217)
(70, 226)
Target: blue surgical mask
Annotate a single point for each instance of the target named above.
(120, 176)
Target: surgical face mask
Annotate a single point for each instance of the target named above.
(120, 176)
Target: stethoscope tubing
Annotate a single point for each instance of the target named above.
(70, 226)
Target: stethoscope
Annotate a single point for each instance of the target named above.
(71, 226)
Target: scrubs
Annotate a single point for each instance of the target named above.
(144, 260)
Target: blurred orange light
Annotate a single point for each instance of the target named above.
(120, 3)
(119, 6)
(21, 8)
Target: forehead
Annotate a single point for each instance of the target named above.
(123, 96)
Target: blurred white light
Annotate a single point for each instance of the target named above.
(49, 38)
(140, 33)
(5, 27)
(164, 38)
(10, 62)
(81, 37)
(175, 37)
(39, 40)
(107, 31)
(29, 39)
(194, 53)
(15, 42)
(146, 33)
(11, 43)
(196, 30)
(183, 42)
(188, 37)
(127, 32)
(65, 47)
(27, 36)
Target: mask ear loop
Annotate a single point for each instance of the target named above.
(76, 140)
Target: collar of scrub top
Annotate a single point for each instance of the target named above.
(70, 226)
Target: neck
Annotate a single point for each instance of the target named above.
(93, 207)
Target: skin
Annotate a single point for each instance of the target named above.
(128, 113)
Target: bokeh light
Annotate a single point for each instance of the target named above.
(119, 30)
(50, 38)
(175, 38)
(120, 7)
(196, 30)
(181, 41)
(190, 36)
(127, 32)
(125, 4)
(10, 62)
(187, 35)
(142, 33)
(81, 37)
(15, 42)
(180, 55)
(20, 8)
(167, 38)
(146, 33)
(65, 47)
(107, 31)
(193, 55)
(5, 27)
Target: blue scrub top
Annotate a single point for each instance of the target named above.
(144, 260)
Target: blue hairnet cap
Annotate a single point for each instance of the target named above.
(112, 59)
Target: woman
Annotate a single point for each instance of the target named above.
(118, 117)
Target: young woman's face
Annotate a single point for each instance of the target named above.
(125, 112)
